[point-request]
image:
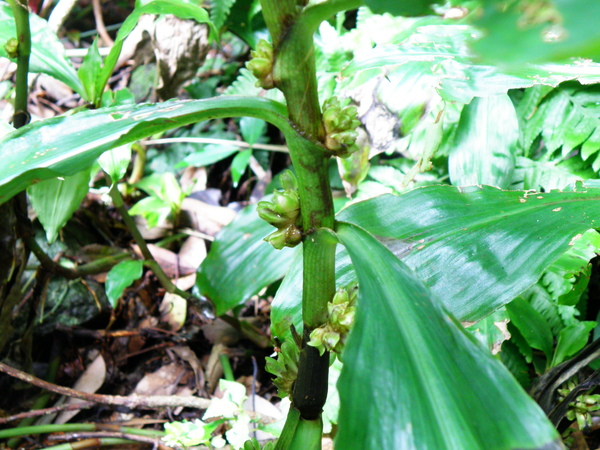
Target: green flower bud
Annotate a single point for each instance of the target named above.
(288, 181)
(266, 212)
(316, 339)
(347, 319)
(260, 67)
(335, 312)
(287, 203)
(341, 296)
(293, 236)
(285, 237)
(277, 239)
(12, 48)
(340, 121)
(261, 64)
(331, 339)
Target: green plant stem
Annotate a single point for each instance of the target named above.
(21, 15)
(227, 370)
(149, 260)
(119, 204)
(99, 266)
(294, 72)
(71, 427)
(139, 164)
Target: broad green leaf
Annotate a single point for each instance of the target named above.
(47, 52)
(467, 265)
(179, 8)
(402, 8)
(532, 326)
(62, 146)
(239, 165)
(477, 248)
(89, 71)
(153, 209)
(120, 277)
(570, 340)
(252, 129)
(414, 378)
(115, 162)
(244, 19)
(210, 154)
(240, 263)
(56, 199)
(542, 31)
(485, 143)
(5, 128)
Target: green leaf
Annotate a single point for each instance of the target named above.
(401, 8)
(570, 340)
(239, 165)
(89, 71)
(219, 10)
(244, 19)
(533, 327)
(477, 248)
(47, 52)
(210, 154)
(566, 118)
(5, 128)
(154, 209)
(240, 263)
(56, 199)
(429, 382)
(62, 146)
(120, 277)
(115, 162)
(252, 129)
(485, 143)
(491, 331)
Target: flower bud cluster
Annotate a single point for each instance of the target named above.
(340, 121)
(283, 212)
(332, 335)
(261, 64)
(583, 407)
(285, 368)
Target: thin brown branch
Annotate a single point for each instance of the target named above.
(100, 23)
(43, 412)
(132, 401)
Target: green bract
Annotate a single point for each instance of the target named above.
(285, 368)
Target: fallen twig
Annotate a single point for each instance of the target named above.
(132, 401)
(43, 412)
